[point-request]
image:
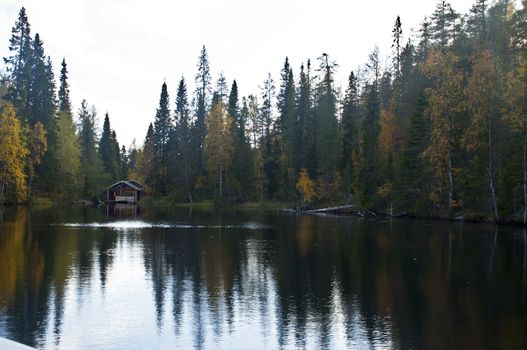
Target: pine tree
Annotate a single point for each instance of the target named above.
(477, 24)
(443, 23)
(19, 65)
(64, 89)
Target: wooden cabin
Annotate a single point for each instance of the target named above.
(124, 192)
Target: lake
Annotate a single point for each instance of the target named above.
(165, 278)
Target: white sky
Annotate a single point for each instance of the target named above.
(120, 51)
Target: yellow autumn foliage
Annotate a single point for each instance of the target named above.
(306, 186)
(13, 153)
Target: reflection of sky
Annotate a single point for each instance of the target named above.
(121, 314)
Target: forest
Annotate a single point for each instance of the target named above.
(440, 130)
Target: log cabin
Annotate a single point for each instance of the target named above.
(124, 192)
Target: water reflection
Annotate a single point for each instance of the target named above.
(257, 279)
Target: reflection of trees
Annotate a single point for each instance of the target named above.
(400, 284)
(37, 264)
(389, 284)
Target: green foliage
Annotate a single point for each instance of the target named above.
(442, 129)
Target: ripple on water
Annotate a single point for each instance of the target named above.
(136, 224)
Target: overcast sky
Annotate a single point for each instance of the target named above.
(120, 51)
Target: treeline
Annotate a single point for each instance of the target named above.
(44, 150)
(440, 130)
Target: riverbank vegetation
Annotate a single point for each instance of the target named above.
(438, 130)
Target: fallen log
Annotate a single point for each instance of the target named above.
(330, 209)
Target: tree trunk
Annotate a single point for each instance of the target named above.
(525, 176)
(450, 179)
(221, 179)
(491, 176)
(2, 188)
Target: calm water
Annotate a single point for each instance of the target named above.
(159, 278)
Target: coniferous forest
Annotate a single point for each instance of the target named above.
(440, 129)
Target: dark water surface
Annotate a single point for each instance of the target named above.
(158, 278)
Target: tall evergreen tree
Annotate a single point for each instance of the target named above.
(412, 193)
(19, 65)
(443, 23)
(182, 141)
(477, 21)
(162, 129)
(368, 172)
(106, 150)
(64, 89)
(241, 167)
(397, 33)
(350, 131)
(201, 104)
(91, 165)
(305, 122)
(326, 123)
(147, 167)
(221, 91)
(268, 145)
(43, 109)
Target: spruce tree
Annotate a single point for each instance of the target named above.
(397, 33)
(147, 164)
(268, 146)
(42, 105)
(18, 65)
(162, 129)
(221, 91)
(241, 166)
(182, 165)
(107, 151)
(368, 171)
(326, 123)
(64, 89)
(287, 123)
(411, 184)
(93, 178)
(201, 105)
(306, 129)
(350, 131)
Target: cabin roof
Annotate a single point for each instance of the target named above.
(131, 183)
